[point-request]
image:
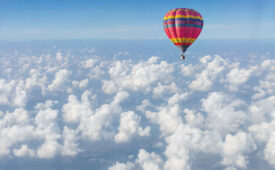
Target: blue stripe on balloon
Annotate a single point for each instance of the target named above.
(182, 25)
(184, 19)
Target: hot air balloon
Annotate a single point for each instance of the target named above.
(183, 26)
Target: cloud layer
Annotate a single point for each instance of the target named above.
(214, 112)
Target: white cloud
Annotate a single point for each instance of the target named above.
(89, 63)
(144, 131)
(5, 88)
(269, 151)
(61, 77)
(129, 126)
(47, 129)
(161, 90)
(24, 150)
(149, 161)
(222, 112)
(234, 149)
(206, 78)
(262, 110)
(145, 161)
(188, 70)
(36, 79)
(136, 77)
(48, 149)
(13, 93)
(230, 168)
(267, 81)
(176, 98)
(59, 56)
(74, 110)
(46, 118)
(262, 132)
(193, 119)
(237, 77)
(14, 127)
(14, 134)
(83, 83)
(266, 87)
(210, 142)
(167, 118)
(145, 103)
(21, 97)
(94, 126)
(205, 59)
(268, 65)
(122, 166)
(178, 147)
(70, 138)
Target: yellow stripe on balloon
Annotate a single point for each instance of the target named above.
(182, 40)
(174, 40)
(182, 16)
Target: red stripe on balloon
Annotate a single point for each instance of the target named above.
(183, 22)
(186, 44)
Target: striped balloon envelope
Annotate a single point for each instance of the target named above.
(183, 26)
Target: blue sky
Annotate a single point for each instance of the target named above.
(121, 19)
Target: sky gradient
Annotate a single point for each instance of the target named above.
(121, 19)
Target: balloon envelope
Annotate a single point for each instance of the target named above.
(183, 26)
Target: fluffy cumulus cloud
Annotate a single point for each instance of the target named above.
(145, 160)
(237, 77)
(70, 145)
(83, 108)
(12, 93)
(205, 79)
(23, 151)
(222, 112)
(129, 126)
(234, 149)
(141, 76)
(48, 130)
(267, 82)
(149, 160)
(61, 78)
(269, 152)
